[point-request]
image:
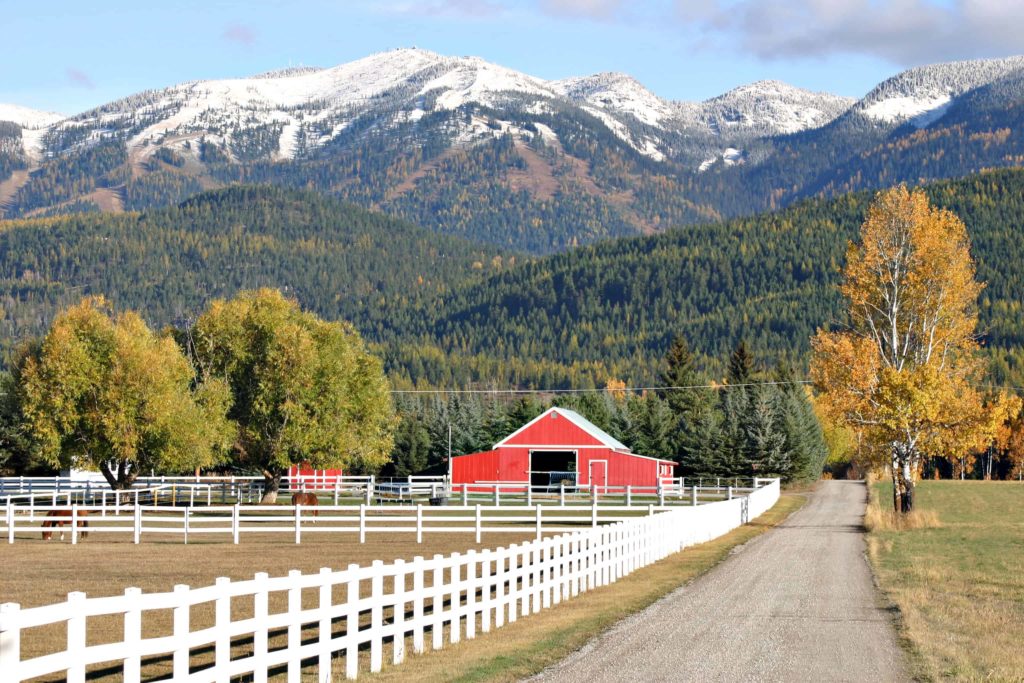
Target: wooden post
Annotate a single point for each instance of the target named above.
(222, 624)
(351, 623)
(417, 604)
(419, 523)
(294, 626)
(298, 524)
(376, 616)
(323, 635)
(398, 615)
(185, 523)
(693, 496)
(437, 605)
(10, 521)
(455, 600)
(362, 523)
(260, 636)
(76, 638)
(131, 671)
(561, 493)
(10, 640)
(629, 495)
(235, 523)
(137, 521)
(180, 620)
(478, 523)
(538, 522)
(471, 563)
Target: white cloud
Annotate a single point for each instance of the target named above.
(591, 9)
(901, 31)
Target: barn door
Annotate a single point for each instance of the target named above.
(599, 476)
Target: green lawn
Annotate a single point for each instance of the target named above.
(960, 586)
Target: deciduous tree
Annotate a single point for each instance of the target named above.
(105, 392)
(902, 371)
(303, 390)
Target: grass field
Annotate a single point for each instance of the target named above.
(527, 646)
(959, 586)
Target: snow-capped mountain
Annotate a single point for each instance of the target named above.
(28, 118)
(304, 109)
(923, 94)
(473, 148)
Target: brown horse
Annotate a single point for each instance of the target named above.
(62, 518)
(307, 499)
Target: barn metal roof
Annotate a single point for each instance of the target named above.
(583, 423)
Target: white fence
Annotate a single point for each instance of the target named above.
(387, 608)
(234, 521)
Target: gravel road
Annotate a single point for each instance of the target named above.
(795, 604)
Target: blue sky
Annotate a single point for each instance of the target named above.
(68, 56)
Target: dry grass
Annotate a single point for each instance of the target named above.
(959, 587)
(37, 573)
(527, 646)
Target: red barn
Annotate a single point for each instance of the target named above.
(560, 445)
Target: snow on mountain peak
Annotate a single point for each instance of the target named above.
(921, 95)
(617, 92)
(28, 118)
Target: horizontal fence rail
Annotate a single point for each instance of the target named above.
(233, 522)
(382, 609)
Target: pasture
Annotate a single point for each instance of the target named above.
(39, 573)
(959, 586)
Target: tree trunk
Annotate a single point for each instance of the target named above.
(120, 480)
(906, 489)
(271, 486)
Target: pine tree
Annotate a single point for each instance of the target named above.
(685, 404)
(741, 365)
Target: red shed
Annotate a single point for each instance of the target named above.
(560, 445)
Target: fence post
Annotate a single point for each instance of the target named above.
(478, 523)
(437, 604)
(398, 615)
(294, 626)
(222, 625)
(335, 491)
(629, 495)
(131, 671)
(471, 563)
(529, 495)
(10, 521)
(729, 493)
(593, 511)
(661, 495)
(376, 616)
(324, 628)
(185, 523)
(419, 523)
(537, 514)
(497, 495)
(418, 599)
(465, 495)
(235, 523)
(298, 524)
(351, 623)
(455, 601)
(137, 521)
(76, 638)
(561, 493)
(181, 631)
(693, 496)
(10, 640)
(260, 613)
(362, 523)
(650, 510)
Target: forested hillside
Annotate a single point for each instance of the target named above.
(336, 258)
(448, 313)
(610, 310)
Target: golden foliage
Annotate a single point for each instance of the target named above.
(902, 373)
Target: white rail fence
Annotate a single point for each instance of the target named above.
(388, 608)
(143, 522)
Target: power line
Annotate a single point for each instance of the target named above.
(600, 391)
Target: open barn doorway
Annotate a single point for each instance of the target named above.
(549, 469)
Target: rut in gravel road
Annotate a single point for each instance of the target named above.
(795, 604)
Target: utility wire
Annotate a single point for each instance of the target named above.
(598, 391)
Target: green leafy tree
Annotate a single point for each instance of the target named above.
(105, 392)
(304, 390)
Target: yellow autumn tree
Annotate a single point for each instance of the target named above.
(902, 372)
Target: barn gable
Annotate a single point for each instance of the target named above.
(561, 426)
